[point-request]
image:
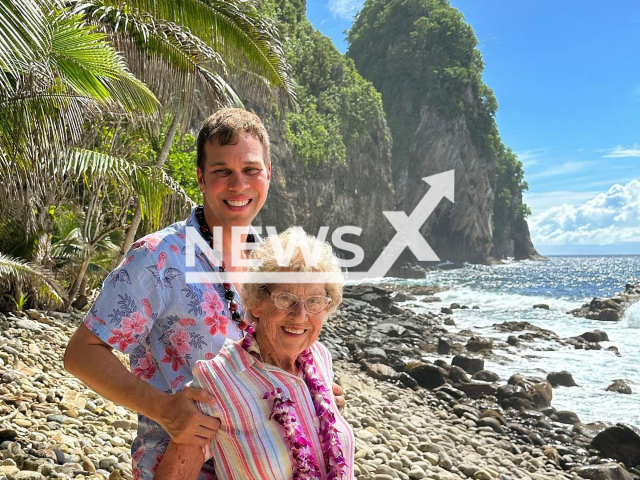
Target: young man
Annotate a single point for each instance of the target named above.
(147, 309)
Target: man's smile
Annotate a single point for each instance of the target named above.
(237, 204)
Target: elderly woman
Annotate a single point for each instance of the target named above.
(272, 390)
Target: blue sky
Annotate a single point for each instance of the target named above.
(567, 79)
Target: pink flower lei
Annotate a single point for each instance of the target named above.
(305, 465)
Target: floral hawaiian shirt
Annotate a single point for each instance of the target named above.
(147, 310)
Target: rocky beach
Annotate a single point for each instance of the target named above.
(413, 418)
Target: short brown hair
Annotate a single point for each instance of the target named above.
(225, 125)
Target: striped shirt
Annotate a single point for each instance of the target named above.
(249, 446)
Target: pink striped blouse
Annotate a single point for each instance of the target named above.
(248, 445)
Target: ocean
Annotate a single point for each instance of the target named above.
(508, 292)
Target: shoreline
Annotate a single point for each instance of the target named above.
(52, 426)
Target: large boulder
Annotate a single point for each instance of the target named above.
(595, 336)
(468, 363)
(606, 471)
(525, 392)
(478, 390)
(561, 379)
(621, 442)
(427, 375)
(476, 344)
(620, 386)
(606, 315)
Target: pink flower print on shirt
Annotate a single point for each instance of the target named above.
(187, 322)
(209, 356)
(174, 248)
(151, 242)
(211, 304)
(127, 261)
(121, 339)
(172, 357)
(148, 311)
(146, 369)
(136, 324)
(217, 324)
(161, 259)
(179, 380)
(157, 462)
(180, 341)
(181, 235)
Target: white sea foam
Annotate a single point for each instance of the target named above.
(508, 293)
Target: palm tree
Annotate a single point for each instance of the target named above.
(55, 73)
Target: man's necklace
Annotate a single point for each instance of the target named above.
(229, 294)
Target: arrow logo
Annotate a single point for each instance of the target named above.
(408, 228)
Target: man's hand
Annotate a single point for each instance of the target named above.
(180, 417)
(338, 393)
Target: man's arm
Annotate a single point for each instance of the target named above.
(93, 361)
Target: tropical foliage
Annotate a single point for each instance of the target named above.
(336, 105)
(78, 80)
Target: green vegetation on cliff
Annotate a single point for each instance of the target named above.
(337, 106)
(421, 52)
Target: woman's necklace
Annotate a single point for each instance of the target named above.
(229, 294)
(283, 411)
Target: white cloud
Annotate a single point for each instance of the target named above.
(530, 157)
(346, 9)
(540, 202)
(608, 218)
(562, 169)
(621, 152)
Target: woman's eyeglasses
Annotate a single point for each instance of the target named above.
(288, 301)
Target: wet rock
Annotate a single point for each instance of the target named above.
(427, 375)
(543, 306)
(478, 390)
(595, 336)
(444, 346)
(491, 422)
(446, 311)
(565, 416)
(468, 363)
(606, 315)
(477, 343)
(527, 393)
(486, 376)
(621, 442)
(458, 375)
(513, 341)
(620, 386)
(561, 379)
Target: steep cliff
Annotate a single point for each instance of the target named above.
(422, 57)
(332, 157)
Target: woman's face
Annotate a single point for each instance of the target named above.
(287, 333)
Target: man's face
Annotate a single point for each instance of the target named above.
(234, 181)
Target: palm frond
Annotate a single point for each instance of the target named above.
(90, 66)
(167, 58)
(162, 197)
(38, 281)
(23, 31)
(235, 29)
